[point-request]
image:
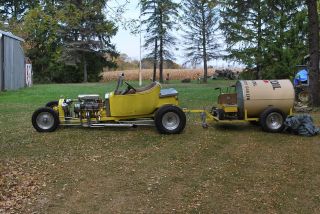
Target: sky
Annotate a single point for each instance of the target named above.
(130, 44)
(125, 41)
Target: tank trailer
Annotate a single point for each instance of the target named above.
(263, 102)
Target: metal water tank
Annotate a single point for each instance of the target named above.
(257, 95)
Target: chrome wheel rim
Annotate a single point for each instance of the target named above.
(45, 120)
(274, 120)
(170, 121)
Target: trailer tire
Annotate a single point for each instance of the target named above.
(272, 120)
(170, 120)
(45, 120)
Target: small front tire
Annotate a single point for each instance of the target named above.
(45, 120)
(170, 120)
(52, 104)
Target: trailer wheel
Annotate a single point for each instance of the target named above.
(45, 120)
(272, 120)
(170, 120)
(52, 104)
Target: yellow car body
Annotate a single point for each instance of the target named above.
(140, 103)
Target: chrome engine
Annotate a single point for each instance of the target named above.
(88, 107)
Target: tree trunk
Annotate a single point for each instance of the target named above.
(155, 60)
(85, 72)
(161, 47)
(15, 10)
(204, 46)
(259, 53)
(161, 61)
(314, 51)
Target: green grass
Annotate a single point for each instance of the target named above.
(233, 168)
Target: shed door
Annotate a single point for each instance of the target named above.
(14, 69)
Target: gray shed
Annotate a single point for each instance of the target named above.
(12, 62)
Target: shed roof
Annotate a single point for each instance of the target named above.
(9, 34)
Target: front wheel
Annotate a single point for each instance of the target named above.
(170, 120)
(272, 120)
(52, 104)
(45, 120)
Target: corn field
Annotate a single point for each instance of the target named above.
(174, 74)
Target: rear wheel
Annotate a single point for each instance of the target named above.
(170, 120)
(45, 120)
(272, 120)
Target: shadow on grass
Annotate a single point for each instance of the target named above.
(111, 129)
(236, 127)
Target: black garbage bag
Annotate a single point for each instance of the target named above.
(301, 125)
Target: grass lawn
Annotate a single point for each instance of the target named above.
(223, 169)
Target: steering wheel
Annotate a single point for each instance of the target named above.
(128, 88)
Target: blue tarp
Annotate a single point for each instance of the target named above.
(301, 76)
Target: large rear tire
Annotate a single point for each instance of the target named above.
(170, 120)
(45, 120)
(272, 120)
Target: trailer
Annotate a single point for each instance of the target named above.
(263, 102)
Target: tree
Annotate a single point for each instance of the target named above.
(86, 33)
(14, 9)
(267, 36)
(286, 38)
(12, 13)
(40, 30)
(242, 24)
(314, 50)
(200, 20)
(159, 21)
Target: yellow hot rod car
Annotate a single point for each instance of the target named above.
(130, 107)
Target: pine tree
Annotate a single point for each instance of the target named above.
(14, 9)
(285, 43)
(159, 21)
(200, 20)
(269, 36)
(242, 24)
